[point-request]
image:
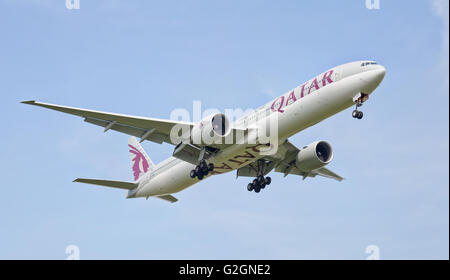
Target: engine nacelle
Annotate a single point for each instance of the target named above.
(313, 156)
(211, 130)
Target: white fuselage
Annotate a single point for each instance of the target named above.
(298, 109)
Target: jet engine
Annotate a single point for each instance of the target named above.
(211, 130)
(314, 156)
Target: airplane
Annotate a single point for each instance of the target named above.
(195, 159)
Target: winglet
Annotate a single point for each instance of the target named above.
(30, 102)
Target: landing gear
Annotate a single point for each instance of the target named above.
(210, 167)
(357, 114)
(258, 185)
(260, 182)
(359, 99)
(203, 165)
(201, 170)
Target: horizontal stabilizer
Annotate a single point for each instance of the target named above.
(108, 183)
(168, 197)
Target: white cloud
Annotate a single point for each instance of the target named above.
(440, 9)
(270, 92)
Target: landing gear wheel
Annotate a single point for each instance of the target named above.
(260, 180)
(198, 170)
(263, 185)
(360, 115)
(250, 187)
(203, 165)
(210, 167)
(202, 170)
(361, 98)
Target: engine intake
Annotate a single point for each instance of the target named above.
(314, 156)
(220, 124)
(211, 130)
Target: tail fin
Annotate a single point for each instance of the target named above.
(141, 162)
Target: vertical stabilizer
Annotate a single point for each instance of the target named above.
(141, 163)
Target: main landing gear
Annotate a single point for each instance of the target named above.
(359, 100)
(201, 170)
(260, 182)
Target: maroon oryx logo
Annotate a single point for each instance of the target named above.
(137, 160)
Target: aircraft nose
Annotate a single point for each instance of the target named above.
(379, 74)
(374, 79)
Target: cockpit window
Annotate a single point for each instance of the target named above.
(368, 63)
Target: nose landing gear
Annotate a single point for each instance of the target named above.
(357, 114)
(359, 99)
(201, 170)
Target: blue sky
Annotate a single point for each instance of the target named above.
(149, 58)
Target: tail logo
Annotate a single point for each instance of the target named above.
(137, 160)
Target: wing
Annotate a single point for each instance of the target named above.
(324, 172)
(251, 170)
(284, 162)
(155, 130)
(287, 165)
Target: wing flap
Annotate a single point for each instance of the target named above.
(130, 130)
